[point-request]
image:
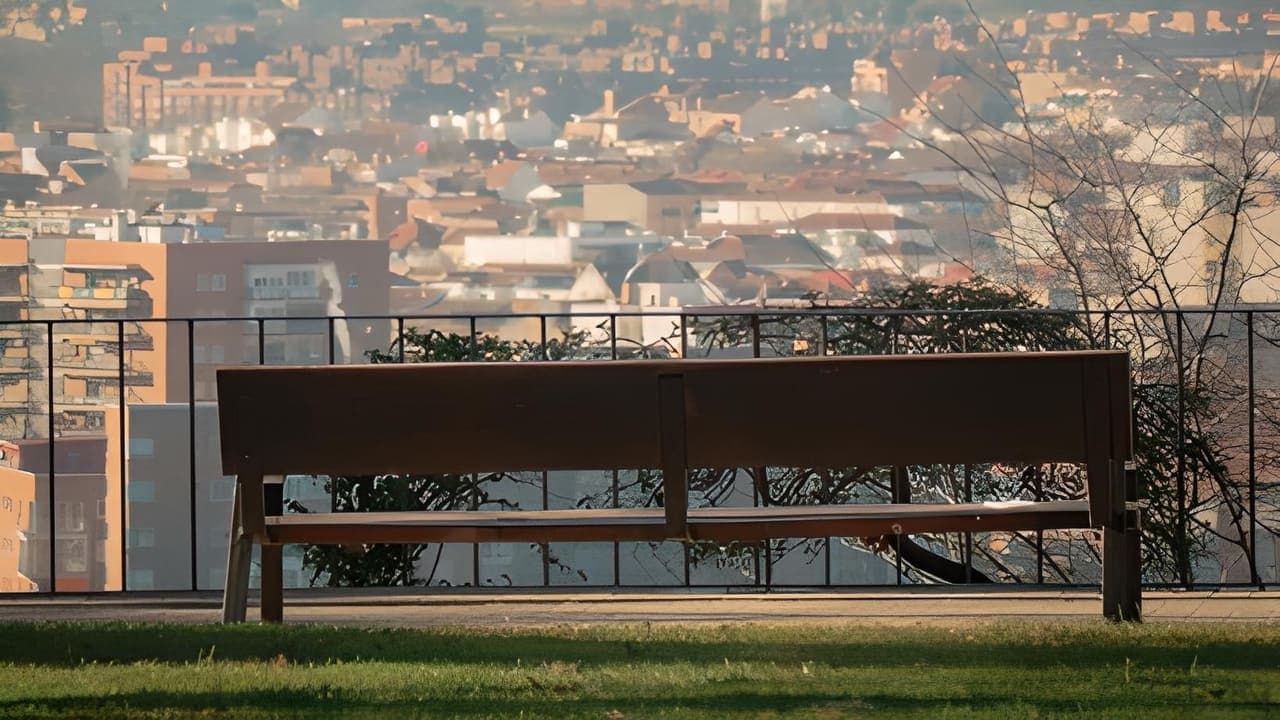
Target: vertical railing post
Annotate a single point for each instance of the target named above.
(333, 357)
(1038, 489)
(262, 341)
(968, 537)
(613, 343)
(191, 449)
(688, 565)
(755, 547)
(400, 339)
(826, 542)
(617, 560)
(1106, 343)
(1256, 578)
(900, 489)
(825, 337)
(1181, 522)
(124, 465)
(763, 480)
(684, 336)
(474, 500)
(545, 548)
(53, 490)
(474, 504)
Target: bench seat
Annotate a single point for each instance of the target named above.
(643, 524)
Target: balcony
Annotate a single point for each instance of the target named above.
(106, 335)
(284, 293)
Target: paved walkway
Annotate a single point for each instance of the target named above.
(419, 608)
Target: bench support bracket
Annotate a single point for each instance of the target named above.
(235, 593)
(273, 555)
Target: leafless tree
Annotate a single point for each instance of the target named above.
(1153, 209)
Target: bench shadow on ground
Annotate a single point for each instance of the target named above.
(1019, 645)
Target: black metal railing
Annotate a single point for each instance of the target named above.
(1215, 521)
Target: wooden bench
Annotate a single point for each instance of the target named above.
(675, 415)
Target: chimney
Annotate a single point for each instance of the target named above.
(261, 71)
(205, 70)
(608, 103)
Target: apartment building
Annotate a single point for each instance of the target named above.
(163, 499)
(76, 544)
(17, 507)
(275, 281)
(151, 88)
(94, 285)
(69, 540)
(667, 207)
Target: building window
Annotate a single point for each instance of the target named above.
(211, 282)
(142, 491)
(1062, 299)
(142, 579)
(142, 537)
(353, 280)
(73, 556)
(142, 447)
(70, 517)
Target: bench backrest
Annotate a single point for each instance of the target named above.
(677, 414)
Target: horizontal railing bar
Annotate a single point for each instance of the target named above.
(675, 315)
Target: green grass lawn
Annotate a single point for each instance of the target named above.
(1015, 669)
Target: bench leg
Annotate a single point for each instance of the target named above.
(1122, 574)
(235, 592)
(272, 583)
